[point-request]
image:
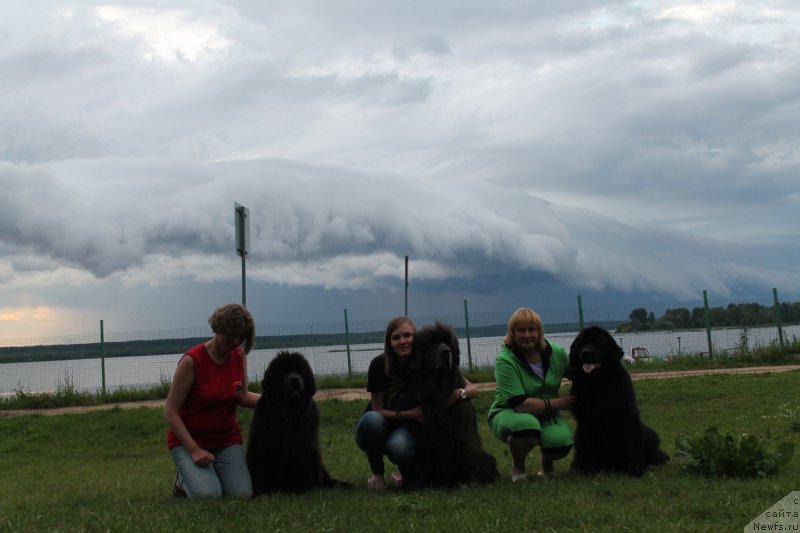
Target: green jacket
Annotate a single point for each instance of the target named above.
(516, 381)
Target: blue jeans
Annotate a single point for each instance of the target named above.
(376, 440)
(226, 476)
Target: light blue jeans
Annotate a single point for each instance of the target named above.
(375, 439)
(226, 476)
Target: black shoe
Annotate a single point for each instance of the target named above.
(177, 490)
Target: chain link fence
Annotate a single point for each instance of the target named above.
(113, 360)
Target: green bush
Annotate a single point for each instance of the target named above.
(713, 454)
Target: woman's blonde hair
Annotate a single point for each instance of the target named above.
(235, 320)
(524, 317)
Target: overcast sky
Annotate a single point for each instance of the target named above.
(519, 152)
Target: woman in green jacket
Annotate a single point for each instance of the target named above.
(525, 412)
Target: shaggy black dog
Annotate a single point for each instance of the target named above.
(449, 451)
(283, 452)
(610, 435)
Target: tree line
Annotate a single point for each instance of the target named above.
(734, 315)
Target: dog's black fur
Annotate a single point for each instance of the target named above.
(610, 435)
(283, 451)
(449, 451)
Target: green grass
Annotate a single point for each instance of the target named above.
(110, 470)
(698, 362)
(67, 395)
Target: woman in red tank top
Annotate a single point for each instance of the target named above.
(209, 383)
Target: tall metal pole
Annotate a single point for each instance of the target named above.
(708, 324)
(469, 341)
(244, 284)
(347, 343)
(405, 309)
(778, 315)
(242, 220)
(103, 356)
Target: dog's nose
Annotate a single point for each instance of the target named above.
(585, 352)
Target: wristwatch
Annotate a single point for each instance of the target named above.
(463, 393)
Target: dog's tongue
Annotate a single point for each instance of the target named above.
(588, 367)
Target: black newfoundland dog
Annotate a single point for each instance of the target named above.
(610, 435)
(283, 451)
(449, 451)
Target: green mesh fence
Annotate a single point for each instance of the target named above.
(146, 358)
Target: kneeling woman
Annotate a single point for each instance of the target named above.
(204, 437)
(525, 412)
(379, 431)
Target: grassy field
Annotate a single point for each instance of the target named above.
(110, 470)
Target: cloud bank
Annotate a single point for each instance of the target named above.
(632, 147)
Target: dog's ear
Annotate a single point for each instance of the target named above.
(616, 348)
(310, 380)
(455, 350)
(573, 349)
(456, 357)
(416, 361)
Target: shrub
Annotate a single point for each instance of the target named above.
(713, 454)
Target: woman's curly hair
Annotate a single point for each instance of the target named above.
(235, 320)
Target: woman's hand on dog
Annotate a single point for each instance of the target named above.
(470, 390)
(414, 415)
(202, 457)
(563, 402)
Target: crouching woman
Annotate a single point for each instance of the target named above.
(525, 412)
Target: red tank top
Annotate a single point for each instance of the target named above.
(209, 411)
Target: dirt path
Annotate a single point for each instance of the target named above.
(361, 394)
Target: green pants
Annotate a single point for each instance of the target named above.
(554, 433)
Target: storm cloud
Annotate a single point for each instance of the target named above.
(629, 147)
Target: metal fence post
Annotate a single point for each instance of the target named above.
(405, 291)
(708, 323)
(102, 357)
(469, 341)
(778, 315)
(580, 311)
(347, 343)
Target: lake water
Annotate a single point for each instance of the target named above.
(140, 371)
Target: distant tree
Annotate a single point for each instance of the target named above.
(718, 317)
(664, 325)
(698, 319)
(680, 317)
(737, 314)
(790, 312)
(638, 315)
(742, 315)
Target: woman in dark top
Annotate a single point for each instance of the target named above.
(379, 431)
